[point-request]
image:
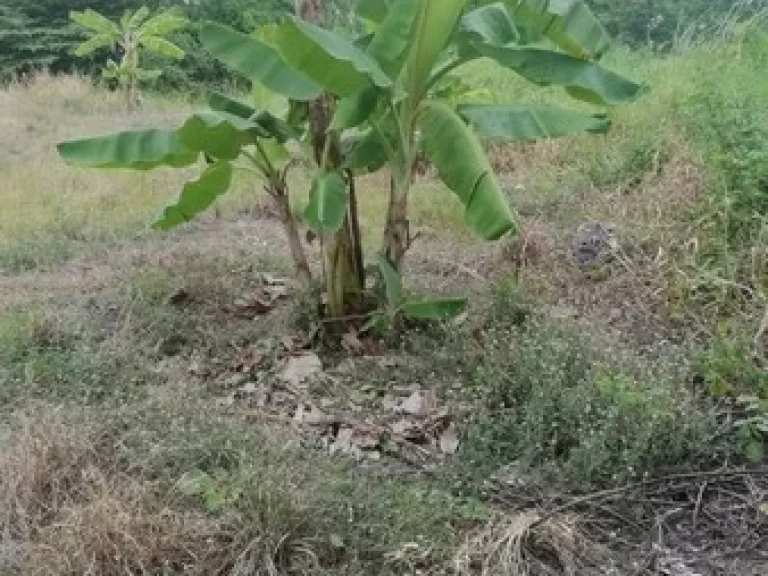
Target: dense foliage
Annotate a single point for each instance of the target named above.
(36, 35)
(658, 24)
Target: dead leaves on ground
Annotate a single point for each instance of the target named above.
(409, 425)
(262, 299)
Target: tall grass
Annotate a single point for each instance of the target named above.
(706, 110)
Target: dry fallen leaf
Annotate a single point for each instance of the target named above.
(408, 430)
(301, 369)
(254, 305)
(351, 343)
(254, 394)
(449, 440)
(417, 404)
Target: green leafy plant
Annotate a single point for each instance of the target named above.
(381, 101)
(135, 32)
(230, 136)
(389, 107)
(560, 410)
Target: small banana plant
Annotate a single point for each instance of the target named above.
(389, 89)
(136, 31)
(231, 135)
(390, 99)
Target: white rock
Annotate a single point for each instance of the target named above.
(300, 369)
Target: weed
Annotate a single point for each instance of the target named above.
(557, 410)
(45, 359)
(727, 369)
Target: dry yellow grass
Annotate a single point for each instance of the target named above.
(51, 211)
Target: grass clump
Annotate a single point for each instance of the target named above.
(170, 486)
(48, 358)
(729, 371)
(560, 412)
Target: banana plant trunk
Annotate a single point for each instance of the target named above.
(397, 229)
(344, 276)
(129, 66)
(291, 228)
(132, 95)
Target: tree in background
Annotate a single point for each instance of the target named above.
(40, 36)
(135, 32)
(658, 24)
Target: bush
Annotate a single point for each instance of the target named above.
(557, 411)
(727, 370)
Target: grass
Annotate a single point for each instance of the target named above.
(185, 490)
(115, 459)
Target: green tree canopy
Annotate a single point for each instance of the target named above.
(39, 34)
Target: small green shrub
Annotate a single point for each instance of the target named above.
(727, 369)
(732, 127)
(556, 410)
(628, 160)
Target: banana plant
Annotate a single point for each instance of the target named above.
(230, 136)
(389, 105)
(134, 32)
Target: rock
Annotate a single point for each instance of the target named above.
(449, 440)
(301, 369)
(254, 394)
(592, 245)
(417, 404)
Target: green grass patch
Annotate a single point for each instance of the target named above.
(562, 412)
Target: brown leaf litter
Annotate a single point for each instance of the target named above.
(408, 425)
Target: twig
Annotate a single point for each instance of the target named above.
(698, 504)
(653, 482)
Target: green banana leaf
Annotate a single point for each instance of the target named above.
(492, 24)
(196, 196)
(327, 203)
(276, 127)
(257, 62)
(164, 24)
(95, 22)
(389, 47)
(393, 283)
(374, 11)
(436, 23)
(437, 309)
(512, 123)
(137, 150)
(569, 24)
(582, 79)
(328, 59)
(95, 43)
(462, 165)
(220, 134)
(364, 152)
(162, 46)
